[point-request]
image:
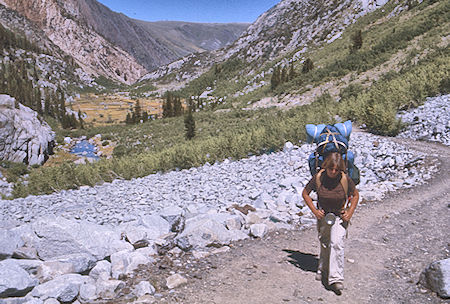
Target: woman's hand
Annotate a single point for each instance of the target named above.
(347, 215)
(318, 213)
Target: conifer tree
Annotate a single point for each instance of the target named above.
(137, 112)
(308, 66)
(128, 119)
(73, 121)
(357, 41)
(189, 123)
(80, 119)
(275, 79)
(144, 116)
(284, 76)
(38, 101)
(292, 73)
(168, 107)
(177, 107)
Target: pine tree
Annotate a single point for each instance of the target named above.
(144, 116)
(128, 119)
(177, 107)
(38, 100)
(73, 121)
(308, 66)
(62, 104)
(357, 41)
(168, 107)
(80, 119)
(292, 73)
(275, 79)
(189, 124)
(284, 76)
(137, 112)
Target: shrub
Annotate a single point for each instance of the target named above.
(352, 90)
(15, 170)
(120, 150)
(444, 86)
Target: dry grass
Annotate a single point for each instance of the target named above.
(60, 157)
(113, 109)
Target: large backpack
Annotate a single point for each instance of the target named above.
(331, 138)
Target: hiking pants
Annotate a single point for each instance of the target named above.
(331, 261)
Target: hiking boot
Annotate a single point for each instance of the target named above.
(318, 276)
(338, 286)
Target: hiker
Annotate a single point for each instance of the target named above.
(329, 184)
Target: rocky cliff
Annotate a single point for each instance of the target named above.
(23, 136)
(61, 22)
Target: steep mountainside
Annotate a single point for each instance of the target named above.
(110, 44)
(288, 26)
(52, 65)
(61, 22)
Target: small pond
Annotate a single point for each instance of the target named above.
(85, 149)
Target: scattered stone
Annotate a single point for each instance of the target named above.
(175, 280)
(144, 288)
(436, 277)
(431, 121)
(64, 288)
(259, 230)
(102, 267)
(14, 281)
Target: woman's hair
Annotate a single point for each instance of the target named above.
(334, 159)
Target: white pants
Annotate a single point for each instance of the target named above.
(331, 261)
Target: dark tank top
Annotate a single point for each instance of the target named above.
(331, 195)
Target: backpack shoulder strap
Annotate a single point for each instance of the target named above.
(344, 183)
(318, 182)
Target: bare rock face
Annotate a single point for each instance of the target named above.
(61, 23)
(107, 43)
(23, 137)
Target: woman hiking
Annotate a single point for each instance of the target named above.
(329, 184)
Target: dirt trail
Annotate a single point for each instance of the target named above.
(389, 244)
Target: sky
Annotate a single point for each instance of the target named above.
(209, 11)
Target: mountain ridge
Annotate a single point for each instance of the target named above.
(289, 25)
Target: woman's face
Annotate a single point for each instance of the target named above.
(332, 172)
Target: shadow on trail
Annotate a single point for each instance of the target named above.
(308, 262)
(305, 261)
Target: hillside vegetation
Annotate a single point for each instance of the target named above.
(408, 53)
